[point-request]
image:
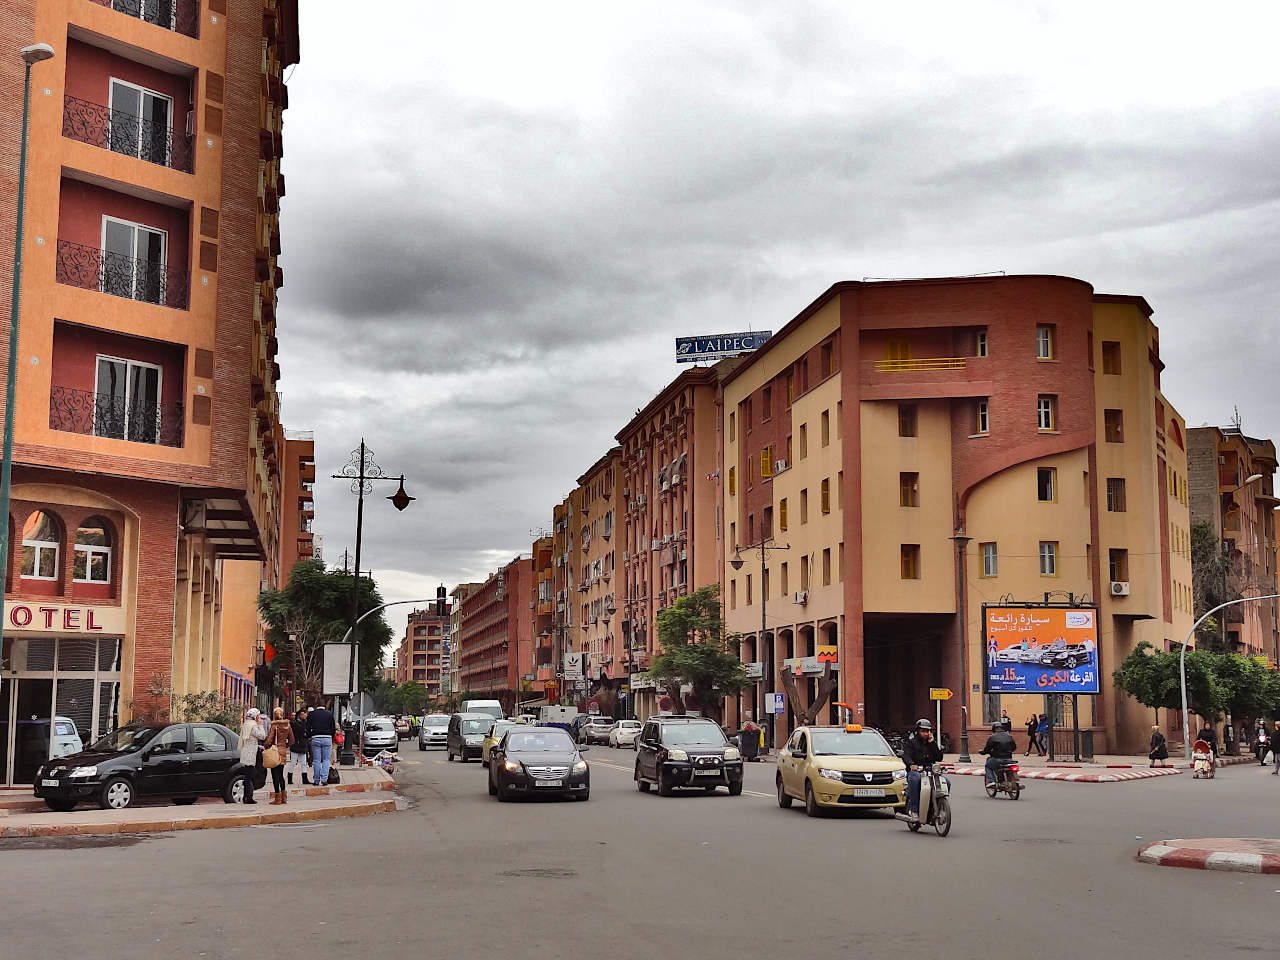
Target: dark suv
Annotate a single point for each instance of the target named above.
(686, 752)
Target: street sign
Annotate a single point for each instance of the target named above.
(940, 693)
(593, 708)
(755, 671)
(362, 706)
(776, 703)
(573, 666)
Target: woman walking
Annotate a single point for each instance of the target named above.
(251, 737)
(1159, 748)
(1032, 723)
(280, 737)
(298, 749)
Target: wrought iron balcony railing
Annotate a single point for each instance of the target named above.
(147, 280)
(125, 133)
(180, 16)
(108, 415)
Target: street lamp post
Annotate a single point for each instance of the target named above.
(361, 470)
(31, 56)
(962, 543)
(628, 635)
(763, 546)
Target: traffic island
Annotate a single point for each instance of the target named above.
(1233, 854)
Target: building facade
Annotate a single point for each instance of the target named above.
(495, 642)
(297, 503)
(420, 655)
(542, 603)
(913, 450)
(147, 443)
(598, 539)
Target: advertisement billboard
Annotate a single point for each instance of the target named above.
(1040, 649)
(718, 346)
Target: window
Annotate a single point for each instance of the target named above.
(911, 561)
(804, 506)
(788, 457)
(766, 462)
(733, 534)
(92, 560)
(766, 524)
(209, 740)
(840, 548)
(826, 566)
(751, 470)
(990, 559)
(1110, 357)
(826, 494)
(133, 261)
(1048, 558)
(906, 419)
(840, 489)
(826, 359)
(1044, 342)
(804, 573)
(1046, 412)
(766, 404)
(173, 740)
(1118, 563)
(1113, 426)
(791, 389)
(898, 354)
(783, 571)
(140, 122)
(733, 481)
(751, 528)
(980, 344)
(127, 400)
(749, 601)
(1046, 484)
(733, 422)
(839, 418)
(908, 489)
(733, 594)
(804, 440)
(826, 427)
(1115, 495)
(782, 514)
(981, 417)
(40, 540)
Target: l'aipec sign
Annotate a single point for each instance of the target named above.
(718, 346)
(58, 618)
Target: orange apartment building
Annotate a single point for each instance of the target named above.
(595, 563)
(1232, 489)
(148, 444)
(420, 656)
(494, 643)
(671, 514)
(542, 602)
(553, 649)
(924, 447)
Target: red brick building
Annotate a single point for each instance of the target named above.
(494, 645)
(420, 657)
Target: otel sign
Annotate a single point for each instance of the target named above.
(22, 616)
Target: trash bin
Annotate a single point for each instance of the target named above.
(1086, 744)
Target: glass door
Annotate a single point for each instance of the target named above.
(141, 121)
(128, 406)
(133, 261)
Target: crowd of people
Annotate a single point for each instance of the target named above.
(303, 745)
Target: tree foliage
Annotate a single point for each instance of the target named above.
(1212, 584)
(695, 650)
(1217, 683)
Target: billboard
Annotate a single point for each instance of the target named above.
(718, 346)
(335, 677)
(1040, 649)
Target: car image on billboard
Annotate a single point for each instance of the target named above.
(1040, 649)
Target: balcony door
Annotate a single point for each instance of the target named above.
(133, 260)
(141, 122)
(127, 400)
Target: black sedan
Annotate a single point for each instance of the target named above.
(538, 760)
(183, 761)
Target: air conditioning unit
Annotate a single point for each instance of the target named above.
(1119, 588)
(802, 597)
(626, 493)
(779, 466)
(675, 479)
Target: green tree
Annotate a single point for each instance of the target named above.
(1249, 688)
(410, 698)
(696, 651)
(1211, 584)
(383, 693)
(1152, 678)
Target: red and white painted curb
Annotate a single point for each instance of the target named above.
(1105, 774)
(1172, 853)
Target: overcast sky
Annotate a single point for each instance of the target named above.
(499, 215)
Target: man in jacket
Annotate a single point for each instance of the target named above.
(918, 752)
(321, 730)
(1000, 746)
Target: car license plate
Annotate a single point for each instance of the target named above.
(706, 773)
(549, 783)
(868, 792)
(48, 783)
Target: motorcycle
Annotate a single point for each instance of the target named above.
(935, 807)
(1260, 747)
(1008, 782)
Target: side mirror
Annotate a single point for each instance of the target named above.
(798, 754)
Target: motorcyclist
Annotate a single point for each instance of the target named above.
(1000, 747)
(918, 753)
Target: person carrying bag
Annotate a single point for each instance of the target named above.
(277, 745)
(251, 737)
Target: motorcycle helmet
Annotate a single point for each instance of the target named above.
(997, 727)
(923, 724)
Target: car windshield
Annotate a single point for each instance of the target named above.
(842, 743)
(476, 726)
(629, 724)
(124, 740)
(539, 741)
(376, 726)
(693, 734)
(601, 720)
(436, 721)
(500, 728)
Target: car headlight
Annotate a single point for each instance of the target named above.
(80, 773)
(731, 753)
(580, 767)
(899, 774)
(826, 774)
(677, 755)
(512, 766)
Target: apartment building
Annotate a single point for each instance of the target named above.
(494, 645)
(297, 503)
(148, 444)
(671, 537)
(1232, 490)
(920, 448)
(598, 538)
(457, 595)
(419, 658)
(563, 585)
(542, 604)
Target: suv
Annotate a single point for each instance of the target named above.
(686, 752)
(595, 730)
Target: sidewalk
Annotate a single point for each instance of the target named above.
(1237, 854)
(363, 792)
(1104, 768)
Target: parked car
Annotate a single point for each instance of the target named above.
(850, 766)
(183, 761)
(624, 733)
(65, 738)
(404, 729)
(466, 735)
(686, 752)
(380, 734)
(492, 707)
(576, 724)
(538, 760)
(434, 731)
(595, 730)
(498, 728)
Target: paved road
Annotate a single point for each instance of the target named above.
(631, 875)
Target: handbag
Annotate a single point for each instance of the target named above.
(1269, 759)
(339, 739)
(271, 757)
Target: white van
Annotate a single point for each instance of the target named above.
(491, 707)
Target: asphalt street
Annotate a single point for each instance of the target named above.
(632, 875)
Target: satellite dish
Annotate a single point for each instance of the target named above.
(362, 706)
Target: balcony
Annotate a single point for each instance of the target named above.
(123, 132)
(110, 415)
(1228, 477)
(923, 364)
(121, 276)
(180, 16)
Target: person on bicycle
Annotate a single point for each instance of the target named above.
(918, 753)
(1000, 747)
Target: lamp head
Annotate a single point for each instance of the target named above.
(400, 499)
(1256, 476)
(35, 53)
(737, 560)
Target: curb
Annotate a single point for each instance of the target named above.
(1113, 776)
(1163, 854)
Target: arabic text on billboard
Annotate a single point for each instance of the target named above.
(1040, 650)
(718, 346)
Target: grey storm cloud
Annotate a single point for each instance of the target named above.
(499, 216)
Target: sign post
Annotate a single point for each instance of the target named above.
(937, 695)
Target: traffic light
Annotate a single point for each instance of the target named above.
(441, 603)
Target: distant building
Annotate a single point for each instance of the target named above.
(494, 644)
(420, 655)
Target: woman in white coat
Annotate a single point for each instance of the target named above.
(252, 733)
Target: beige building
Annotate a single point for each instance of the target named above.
(595, 563)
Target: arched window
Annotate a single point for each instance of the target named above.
(40, 547)
(93, 552)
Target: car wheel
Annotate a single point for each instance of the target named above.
(493, 791)
(664, 784)
(117, 794)
(235, 789)
(810, 801)
(61, 805)
(584, 796)
(784, 798)
(735, 788)
(185, 801)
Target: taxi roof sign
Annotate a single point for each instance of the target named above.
(853, 728)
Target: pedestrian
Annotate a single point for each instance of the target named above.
(1159, 748)
(1006, 721)
(1275, 749)
(1033, 723)
(1208, 735)
(321, 730)
(279, 736)
(299, 749)
(1042, 734)
(251, 736)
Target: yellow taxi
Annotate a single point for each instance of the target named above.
(492, 737)
(849, 766)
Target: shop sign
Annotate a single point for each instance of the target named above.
(640, 681)
(718, 346)
(828, 653)
(57, 618)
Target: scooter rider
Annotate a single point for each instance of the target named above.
(919, 752)
(1000, 747)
